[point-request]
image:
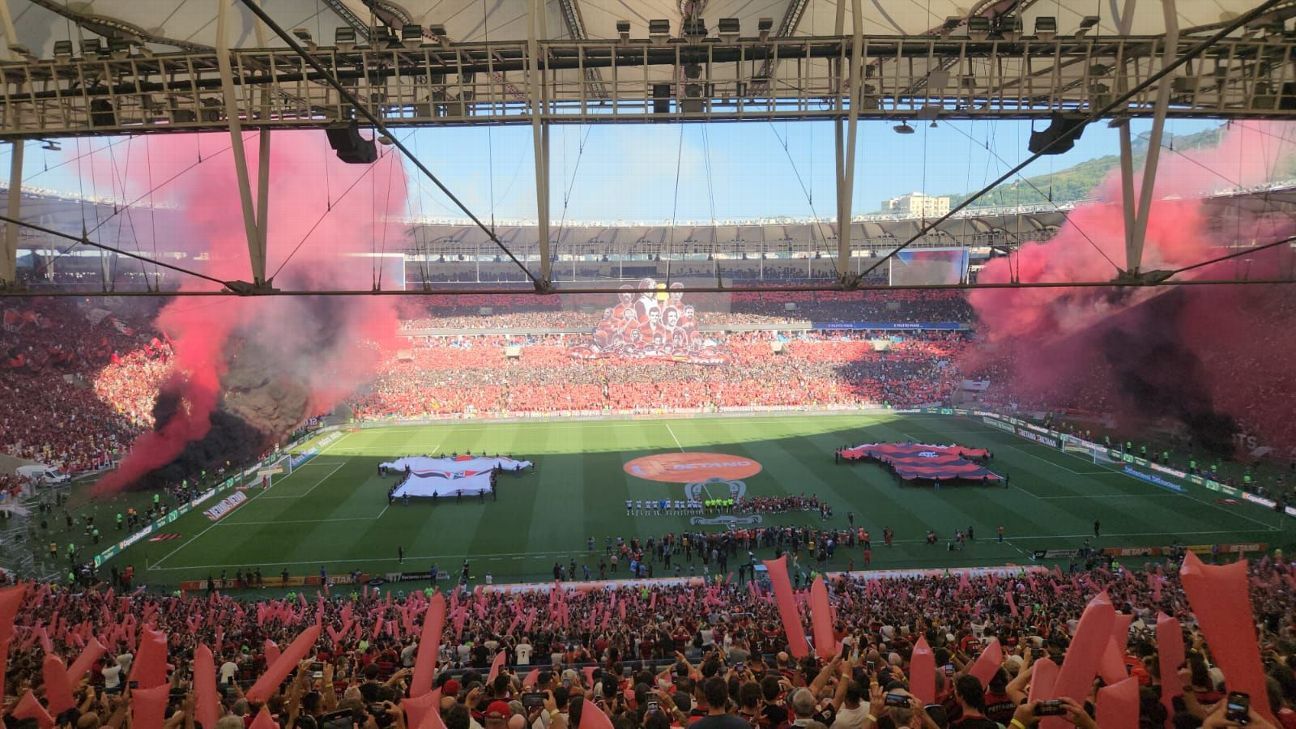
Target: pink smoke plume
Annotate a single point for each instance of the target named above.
(1121, 350)
(329, 347)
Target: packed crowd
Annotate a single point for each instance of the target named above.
(47, 350)
(933, 651)
(820, 370)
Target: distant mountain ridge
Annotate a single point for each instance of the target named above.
(1075, 182)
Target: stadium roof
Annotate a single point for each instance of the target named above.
(171, 24)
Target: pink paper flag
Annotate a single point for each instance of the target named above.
(148, 707)
(432, 720)
(58, 690)
(1220, 599)
(1084, 655)
(786, 604)
(1118, 705)
(987, 664)
(150, 666)
(206, 705)
(429, 646)
(1012, 604)
(922, 672)
(1043, 675)
(415, 708)
(821, 620)
(530, 680)
(592, 717)
(263, 719)
(29, 708)
(272, 651)
(1112, 666)
(496, 665)
(301, 647)
(1120, 630)
(93, 651)
(1170, 655)
(588, 672)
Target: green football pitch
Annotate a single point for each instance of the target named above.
(333, 511)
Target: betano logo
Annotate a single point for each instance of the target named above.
(692, 467)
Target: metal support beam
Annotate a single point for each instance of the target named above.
(1134, 241)
(9, 251)
(539, 139)
(846, 150)
(256, 243)
(10, 34)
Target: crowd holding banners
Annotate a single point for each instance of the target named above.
(976, 649)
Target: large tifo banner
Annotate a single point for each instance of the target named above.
(454, 476)
(928, 266)
(650, 321)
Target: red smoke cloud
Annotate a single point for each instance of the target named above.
(329, 347)
(1084, 347)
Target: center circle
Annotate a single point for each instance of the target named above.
(692, 467)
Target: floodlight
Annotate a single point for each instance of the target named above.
(63, 50)
(344, 37)
(91, 47)
(764, 26)
(1086, 23)
(729, 29)
(1046, 27)
(695, 29)
(658, 31)
(411, 35)
(978, 27)
(623, 30)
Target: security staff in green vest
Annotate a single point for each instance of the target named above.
(1192, 465)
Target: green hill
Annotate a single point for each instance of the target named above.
(1076, 182)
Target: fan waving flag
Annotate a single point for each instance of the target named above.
(786, 604)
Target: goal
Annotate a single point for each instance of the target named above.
(279, 468)
(1097, 454)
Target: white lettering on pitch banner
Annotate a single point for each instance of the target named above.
(223, 507)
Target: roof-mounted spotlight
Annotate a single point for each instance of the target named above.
(903, 128)
(91, 48)
(384, 37)
(1009, 27)
(411, 35)
(978, 27)
(623, 30)
(117, 47)
(951, 24)
(1046, 27)
(729, 29)
(303, 36)
(344, 37)
(63, 51)
(50, 144)
(1087, 22)
(695, 30)
(764, 26)
(659, 31)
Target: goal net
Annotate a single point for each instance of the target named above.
(1097, 454)
(277, 469)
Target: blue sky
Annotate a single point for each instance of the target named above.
(725, 171)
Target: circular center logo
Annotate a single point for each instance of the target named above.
(927, 454)
(692, 467)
